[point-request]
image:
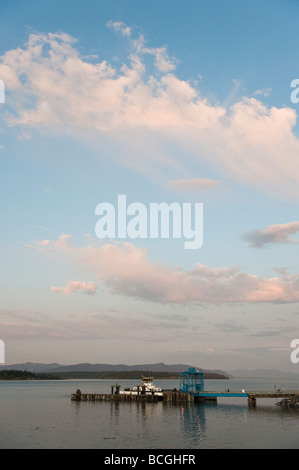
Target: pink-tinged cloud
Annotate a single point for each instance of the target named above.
(194, 184)
(125, 269)
(278, 233)
(76, 286)
(52, 86)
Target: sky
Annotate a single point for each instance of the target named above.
(186, 103)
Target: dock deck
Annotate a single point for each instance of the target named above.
(178, 397)
(250, 395)
(254, 394)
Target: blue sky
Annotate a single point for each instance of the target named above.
(163, 102)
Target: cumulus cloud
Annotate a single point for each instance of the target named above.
(119, 26)
(76, 286)
(162, 60)
(51, 86)
(63, 243)
(263, 92)
(147, 280)
(278, 233)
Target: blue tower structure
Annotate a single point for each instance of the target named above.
(191, 381)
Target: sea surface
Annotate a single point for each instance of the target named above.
(41, 415)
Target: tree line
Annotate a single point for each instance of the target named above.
(108, 375)
(12, 374)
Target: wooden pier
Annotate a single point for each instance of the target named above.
(179, 397)
(169, 396)
(252, 396)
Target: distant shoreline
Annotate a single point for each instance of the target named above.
(106, 375)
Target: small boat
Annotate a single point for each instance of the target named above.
(146, 388)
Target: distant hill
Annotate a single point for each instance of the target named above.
(30, 367)
(150, 368)
(87, 367)
(263, 374)
(158, 367)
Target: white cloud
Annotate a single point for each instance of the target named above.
(152, 281)
(121, 27)
(75, 286)
(51, 86)
(162, 60)
(263, 92)
(278, 233)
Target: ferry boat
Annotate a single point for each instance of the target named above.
(146, 388)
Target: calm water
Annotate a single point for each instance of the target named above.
(40, 414)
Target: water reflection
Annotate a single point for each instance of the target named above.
(193, 421)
